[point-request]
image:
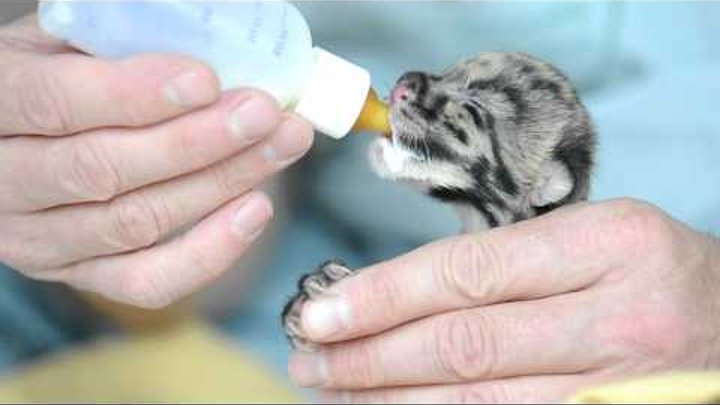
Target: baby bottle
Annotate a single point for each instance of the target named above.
(261, 44)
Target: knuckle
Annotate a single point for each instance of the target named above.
(143, 291)
(483, 394)
(465, 348)
(23, 251)
(222, 177)
(385, 288)
(135, 222)
(91, 174)
(42, 103)
(470, 269)
(230, 178)
(203, 264)
(130, 114)
(190, 147)
(639, 226)
(359, 365)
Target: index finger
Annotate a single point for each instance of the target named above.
(64, 93)
(566, 250)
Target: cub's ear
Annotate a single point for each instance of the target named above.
(553, 184)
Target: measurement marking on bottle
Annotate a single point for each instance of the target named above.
(256, 24)
(279, 48)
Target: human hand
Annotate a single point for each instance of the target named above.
(103, 161)
(526, 313)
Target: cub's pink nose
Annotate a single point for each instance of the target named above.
(400, 92)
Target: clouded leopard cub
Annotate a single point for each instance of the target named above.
(502, 137)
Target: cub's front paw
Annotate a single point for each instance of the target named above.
(311, 286)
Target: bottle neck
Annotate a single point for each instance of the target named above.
(374, 116)
(334, 95)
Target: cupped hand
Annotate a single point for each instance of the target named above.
(103, 163)
(526, 313)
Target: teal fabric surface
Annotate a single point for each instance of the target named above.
(38, 318)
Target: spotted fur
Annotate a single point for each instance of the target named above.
(503, 136)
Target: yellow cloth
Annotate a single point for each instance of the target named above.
(187, 362)
(172, 357)
(190, 362)
(680, 388)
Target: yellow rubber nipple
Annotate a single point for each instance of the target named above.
(375, 116)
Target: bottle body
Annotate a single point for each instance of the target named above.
(262, 44)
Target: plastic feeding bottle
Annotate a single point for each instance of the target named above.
(261, 44)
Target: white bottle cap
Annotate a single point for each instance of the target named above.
(334, 94)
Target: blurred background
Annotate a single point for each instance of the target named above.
(647, 71)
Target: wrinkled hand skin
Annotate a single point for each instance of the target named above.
(529, 313)
(135, 178)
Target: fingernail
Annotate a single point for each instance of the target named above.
(191, 88)
(253, 118)
(291, 140)
(308, 369)
(326, 316)
(250, 219)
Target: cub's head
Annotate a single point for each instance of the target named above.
(503, 133)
